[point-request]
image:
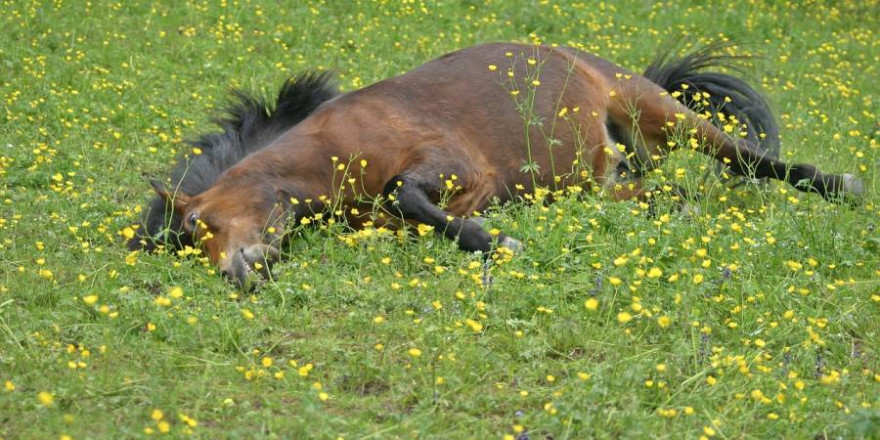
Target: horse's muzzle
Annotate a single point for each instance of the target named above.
(248, 263)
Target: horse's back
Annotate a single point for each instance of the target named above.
(484, 98)
(481, 113)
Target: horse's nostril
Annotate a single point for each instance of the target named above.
(227, 273)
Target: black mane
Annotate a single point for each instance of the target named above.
(250, 124)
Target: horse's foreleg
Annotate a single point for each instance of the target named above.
(409, 200)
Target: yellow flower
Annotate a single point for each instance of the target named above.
(474, 325)
(90, 300)
(247, 314)
(267, 362)
(624, 317)
(655, 273)
(157, 414)
(492, 67)
(591, 304)
(663, 321)
(176, 292)
(191, 422)
(164, 427)
(46, 398)
(415, 352)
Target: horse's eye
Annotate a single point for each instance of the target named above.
(193, 219)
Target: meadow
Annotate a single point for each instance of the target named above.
(758, 317)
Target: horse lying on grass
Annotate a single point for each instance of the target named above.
(482, 123)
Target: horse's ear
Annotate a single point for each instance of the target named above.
(178, 200)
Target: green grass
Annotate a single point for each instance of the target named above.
(769, 298)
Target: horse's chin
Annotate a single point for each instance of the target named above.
(250, 266)
(259, 258)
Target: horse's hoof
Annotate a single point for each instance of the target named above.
(513, 244)
(850, 190)
(688, 210)
(853, 187)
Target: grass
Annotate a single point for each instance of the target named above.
(757, 318)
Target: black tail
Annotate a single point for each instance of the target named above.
(250, 124)
(727, 93)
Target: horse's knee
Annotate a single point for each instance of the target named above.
(410, 201)
(404, 198)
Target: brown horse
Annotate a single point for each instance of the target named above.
(488, 122)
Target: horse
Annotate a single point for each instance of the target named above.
(249, 124)
(485, 123)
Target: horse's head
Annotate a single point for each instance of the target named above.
(237, 225)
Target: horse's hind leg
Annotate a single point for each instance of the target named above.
(658, 114)
(745, 161)
(409, 199)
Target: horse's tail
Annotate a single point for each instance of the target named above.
(703, 90)
(249, 125)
